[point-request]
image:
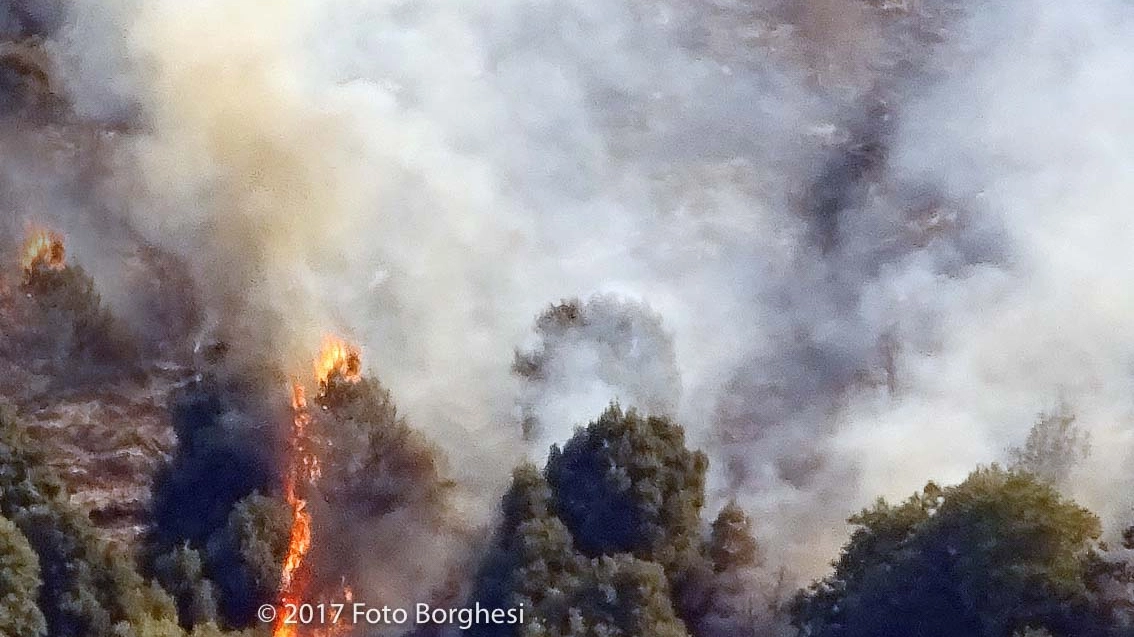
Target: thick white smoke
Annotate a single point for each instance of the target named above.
(881, 239)
(1029, 126)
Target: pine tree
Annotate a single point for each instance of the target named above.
(628, 484)
(19, 584)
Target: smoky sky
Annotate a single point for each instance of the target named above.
(874, 238)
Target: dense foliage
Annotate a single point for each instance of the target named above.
(89, 587)
(627, 484)
(19, 584)
(999, 553)
(608, 540)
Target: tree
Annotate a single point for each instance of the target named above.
(602, 542)
(628, 484)
(527, 533)
(244, 559)
(181, 572)
(54, 565)
(73, 322)
(376, 462)
(727, 594)
(1000, 552)
(619, 596)
(1053, 448)
(90, 587)
(382, 484)
(19, 584)
(568, 595)
(731, 544)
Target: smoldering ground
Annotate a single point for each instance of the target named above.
(879, 237)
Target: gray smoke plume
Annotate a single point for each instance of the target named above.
(878, 236)
(589, 354)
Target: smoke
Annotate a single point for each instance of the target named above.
(1027, 126)
(589, 354)
(875, 239)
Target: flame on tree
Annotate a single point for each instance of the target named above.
(42, 250)
(337, 358)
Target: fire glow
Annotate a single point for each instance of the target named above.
(42, 250)
(337, 356)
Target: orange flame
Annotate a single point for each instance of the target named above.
(301, 470)
(42, 250)
(337, 356)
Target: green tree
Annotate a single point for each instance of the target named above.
(726, 595)
(90, 587)
(497, 578)
(181, 573)
(1054, 446)
(245, 557)
(19, 584)
(1000, 552)
(567, 595)
(609, 596)
(628, 484)
(732, 544)
(644, 491)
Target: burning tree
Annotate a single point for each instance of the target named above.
(338, 362)
(352, 474)
(359, 476)
(68, 320)
(42, 252)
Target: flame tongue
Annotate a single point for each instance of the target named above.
(337, 358)
(301, 471)
(42, 250)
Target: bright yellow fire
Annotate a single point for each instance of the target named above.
(338, 356)
(42, 250)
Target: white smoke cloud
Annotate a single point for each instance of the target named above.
(1028, 123)
(882, 241)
